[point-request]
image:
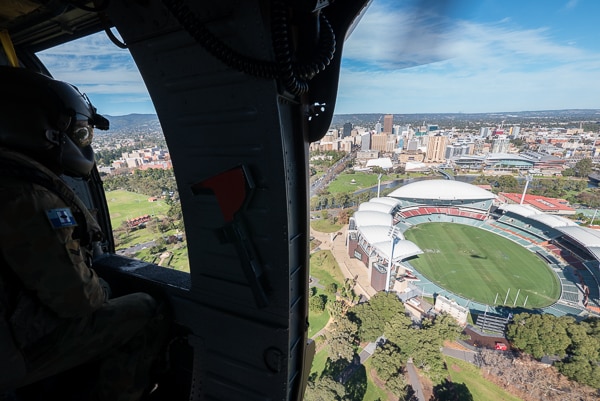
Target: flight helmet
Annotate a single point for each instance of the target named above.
(49, 120)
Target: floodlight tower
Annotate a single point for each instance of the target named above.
(378, 184)
(528, 179)
(394, 234)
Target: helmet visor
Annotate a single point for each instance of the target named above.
(82, 133)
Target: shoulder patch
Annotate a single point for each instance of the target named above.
(61, 218)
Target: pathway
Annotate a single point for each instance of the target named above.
(350, 267)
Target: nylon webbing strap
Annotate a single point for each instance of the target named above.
(14, 169)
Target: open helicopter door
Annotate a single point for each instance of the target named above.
(241, 88)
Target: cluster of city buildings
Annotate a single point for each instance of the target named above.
(141, 159)
(548, 152)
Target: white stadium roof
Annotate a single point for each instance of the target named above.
(534, 214)
(587, 237)
(521, 210)
(385, 200)
(372, 218)
(376, 207)
(554, 221)
(583, 235)
(442, 190)
(376, 234)
(385, 205)
(402, 249)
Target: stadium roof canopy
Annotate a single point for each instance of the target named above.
(532, 213)
(505, 156)
(376, 234)
(587, 237)
(376, 207)
(385, 205)
(402, 249)
(385, 200)
(441, 190)
(372, 218)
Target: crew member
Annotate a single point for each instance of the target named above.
(56, 313)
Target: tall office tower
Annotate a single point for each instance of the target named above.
(388, 123)
(436, 147)
(378, 128)
(516, 131)
(347, 130)
(379, 142)
(365, 141)
(500, 144)
(484, 132)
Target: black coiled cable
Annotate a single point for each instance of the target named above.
(294, 77)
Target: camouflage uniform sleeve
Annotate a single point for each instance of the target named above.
(46, 259)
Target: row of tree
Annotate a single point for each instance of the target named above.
(573, 190)
(529, 379)
(383, 320)
(576, 344)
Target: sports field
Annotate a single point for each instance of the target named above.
(124, 205)
(482, 266)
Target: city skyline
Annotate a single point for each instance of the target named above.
(469, 57)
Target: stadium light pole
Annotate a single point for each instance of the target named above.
(378, 184)
(527, 181)
(393, 233)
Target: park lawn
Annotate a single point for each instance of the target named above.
(343, 182)
(480, 265)
(180, 259)
(316, 321)
(138, 236)
(373, 392)
(125, 205)
(324, 226)
(480, 388)
(324, 267)
(319, 361)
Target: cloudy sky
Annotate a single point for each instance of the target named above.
(419, 57)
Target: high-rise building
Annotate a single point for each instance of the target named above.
(379, 142)
(500, 144)
(378, 128)
(388, 123)
(365, 141)
(412, 145)
(436, 147)
(347, 130)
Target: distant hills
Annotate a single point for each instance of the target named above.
(133, 122)
(466, 119)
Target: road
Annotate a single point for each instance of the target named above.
(136, 248)
(465, 355)
(324, 180)
(414, 381)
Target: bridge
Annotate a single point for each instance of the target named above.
(445, 173)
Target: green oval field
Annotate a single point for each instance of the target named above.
(482, 266)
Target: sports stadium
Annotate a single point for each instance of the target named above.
(450, 238)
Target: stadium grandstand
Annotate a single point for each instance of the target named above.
(373, 240)
(572, 252)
